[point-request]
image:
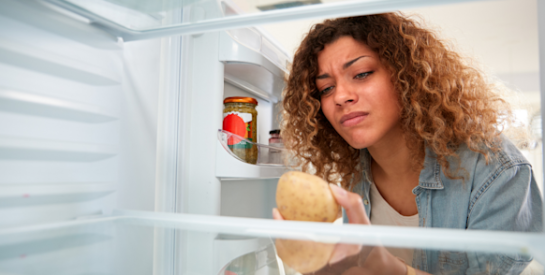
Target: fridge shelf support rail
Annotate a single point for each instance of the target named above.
(38, 105)
(330, 10)
(424, 238)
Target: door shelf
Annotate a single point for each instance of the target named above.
(253, 63)
(230, 166)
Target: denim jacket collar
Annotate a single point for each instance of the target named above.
(430, 176)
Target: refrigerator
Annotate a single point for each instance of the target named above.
(111, 156)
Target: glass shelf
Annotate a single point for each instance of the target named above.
(230, 166)
(138, 242)
(134, 20)
(250, 152)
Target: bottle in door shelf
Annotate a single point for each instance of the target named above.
(275, 156)
(240, 118)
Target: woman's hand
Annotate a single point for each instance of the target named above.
(355, 211)
(355, 259)
(370, 260)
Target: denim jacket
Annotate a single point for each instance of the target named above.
(502, 195)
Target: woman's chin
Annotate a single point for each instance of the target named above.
(359, 144)
(358, 140)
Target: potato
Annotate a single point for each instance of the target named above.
(304, 256)
(304, 197)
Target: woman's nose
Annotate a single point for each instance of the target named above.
(344, 94)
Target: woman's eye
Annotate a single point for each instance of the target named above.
(326, 90)
(362, 75)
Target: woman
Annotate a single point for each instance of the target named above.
(411, 131)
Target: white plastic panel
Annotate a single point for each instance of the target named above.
(256, 40)
(17, 195)
(37, 105)
(42, 61)
(35, 149)
(253, 63)
(59, 111)
(248, 87)
(78, 114)
(248, 198)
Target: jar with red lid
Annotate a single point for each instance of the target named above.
(240, 118)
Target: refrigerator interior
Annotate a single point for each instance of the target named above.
(91, 123)
(85, 123)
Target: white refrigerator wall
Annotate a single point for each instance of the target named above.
(79, 115)
(78, 118)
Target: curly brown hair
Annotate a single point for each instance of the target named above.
(445, 102)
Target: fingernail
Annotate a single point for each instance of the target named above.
(337, 257)
(276, 214)
(339, 192)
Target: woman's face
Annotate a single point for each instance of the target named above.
(357, 95)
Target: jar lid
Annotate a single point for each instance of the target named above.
(240, 99)
(274, 132)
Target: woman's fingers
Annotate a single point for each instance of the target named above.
(276, 215)
(342, 251)
(352, 204)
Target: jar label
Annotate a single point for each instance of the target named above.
(239, 124)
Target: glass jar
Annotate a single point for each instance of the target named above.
(275, 137)
(240, 118)
(275, 156)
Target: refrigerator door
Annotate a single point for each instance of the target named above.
(125, 243)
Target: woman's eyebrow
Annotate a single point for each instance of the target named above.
(349, 63)
(322, 76)
(345, 66)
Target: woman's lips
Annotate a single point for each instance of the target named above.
(353, 118)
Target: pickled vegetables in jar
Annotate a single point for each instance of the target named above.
(240, 118)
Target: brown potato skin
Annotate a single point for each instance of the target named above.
(304, 197)
(304, 256)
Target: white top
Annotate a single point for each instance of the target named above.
(383, 214)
